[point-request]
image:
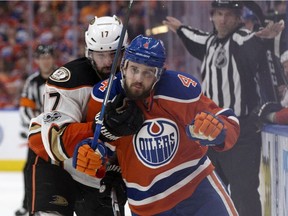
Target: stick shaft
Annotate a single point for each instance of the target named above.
(111, 78)
(115, 205)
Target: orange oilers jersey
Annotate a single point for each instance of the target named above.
(160, 165)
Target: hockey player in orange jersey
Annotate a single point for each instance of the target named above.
(164, 164)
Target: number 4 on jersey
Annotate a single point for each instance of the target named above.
(187, 81)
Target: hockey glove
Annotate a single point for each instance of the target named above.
(267, 111)
(206, 128)
(264, 113)
(86, 160)
(122, 117)
(112, 179)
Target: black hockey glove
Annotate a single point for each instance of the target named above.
(122, 117)
(261, 113)
(112, 179)
(268, 108)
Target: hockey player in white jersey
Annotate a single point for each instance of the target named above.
(55, 186)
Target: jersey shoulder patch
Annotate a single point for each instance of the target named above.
(99, 89)
(62, 74)
(74, 74)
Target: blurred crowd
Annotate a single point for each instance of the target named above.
(26, 24)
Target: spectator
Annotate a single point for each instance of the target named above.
(5, 97)
(277, 13)
(11, 82)
(283, 89)
(250, 20)
(25, 24)
(273, 112)
(284, 62)
(92, 9)
(230, 59)
(31, 101)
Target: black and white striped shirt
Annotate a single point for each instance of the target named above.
(31, 101)
(229, 66)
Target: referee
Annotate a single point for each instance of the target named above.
(231, 62)
(31, 101)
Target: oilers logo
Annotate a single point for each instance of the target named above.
(157, 142)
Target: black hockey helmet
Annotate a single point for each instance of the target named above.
(227, 4)
(237, 6)
(44, 50)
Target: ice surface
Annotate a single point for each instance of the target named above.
(11, 193)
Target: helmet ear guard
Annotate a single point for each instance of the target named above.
(103, 34)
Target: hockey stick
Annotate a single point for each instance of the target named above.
(271, 61)
(115, 205)
(111, 77)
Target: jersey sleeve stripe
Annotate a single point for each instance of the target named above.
(26, 102)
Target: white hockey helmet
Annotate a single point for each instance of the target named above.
(103, 34)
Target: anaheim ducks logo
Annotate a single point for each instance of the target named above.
(157, 142)
(59, 200)
(60, 75)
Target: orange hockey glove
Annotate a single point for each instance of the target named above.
(86, 160)
(208, 129)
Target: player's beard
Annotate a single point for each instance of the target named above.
(105, 72)
(135, 95)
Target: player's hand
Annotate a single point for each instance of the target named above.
(86, 160)
(112, 179)
(208, 129)
(172, 23)
(271, 30)
(122, 117)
